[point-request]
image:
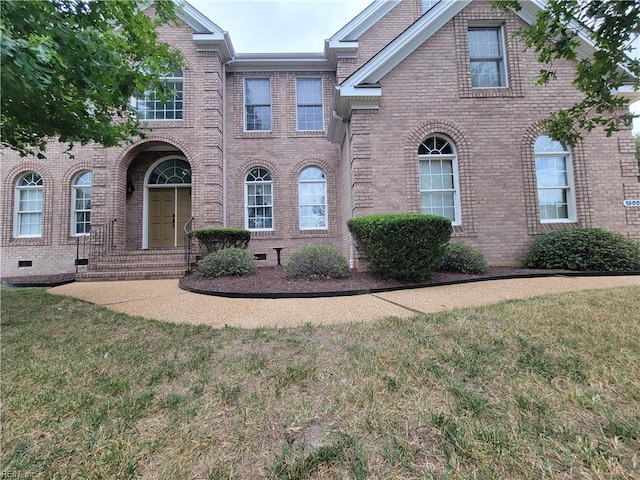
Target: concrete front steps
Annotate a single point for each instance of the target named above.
(136, 265)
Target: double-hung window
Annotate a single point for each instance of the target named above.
(81, 204)
(259, 199)
(257, 104)
(309, 101)
(151, 107)
(28, 206)
(312, 192)
(439, 184)
(486, 54)
(554, 177)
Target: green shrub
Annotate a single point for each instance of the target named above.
(584, 249)
(316, 261)
(463, 259)
(228, 261)
(214, 239)
(403, 246)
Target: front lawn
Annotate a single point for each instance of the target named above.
(542, 388)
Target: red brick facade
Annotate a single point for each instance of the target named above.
(372, 167)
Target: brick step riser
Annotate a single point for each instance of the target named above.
(120, 275)
(147, 257)
(137, 266)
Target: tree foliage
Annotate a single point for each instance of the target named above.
(611, 26)
(70, 67)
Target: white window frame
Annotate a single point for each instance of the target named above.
(249, 208)
(303, 104)
(150, 96)
(245, 105)
(20, 190)
(313, 181)
(556, 149)
(501, 58)
(453, 157)
(75, 187)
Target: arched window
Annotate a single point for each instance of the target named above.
(554, 178)
(81, 204)
(259, 199)
(151, 107)
(28, 206)
(312, 195)
(439, 184)
(171, 172)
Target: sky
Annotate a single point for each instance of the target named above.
(291, 26)
(282, 26)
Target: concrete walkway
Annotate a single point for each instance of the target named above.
(163, 300)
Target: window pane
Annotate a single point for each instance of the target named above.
(257, 91)
(553, 204)
(486, 74)
(484, 42)
(309, 91)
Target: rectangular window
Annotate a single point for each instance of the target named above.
(150, 107)
(309, 101)
(553, 188)
(259, 207)
(438, 188)
(29, 213)
(257, 104)
(486, 54)
(554, 179)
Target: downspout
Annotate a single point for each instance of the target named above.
(224, 144)
(352, 249)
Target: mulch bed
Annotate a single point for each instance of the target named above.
(272, 281)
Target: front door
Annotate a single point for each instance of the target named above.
(169, 210)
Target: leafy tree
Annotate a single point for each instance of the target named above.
(612, 26)
(70, 67)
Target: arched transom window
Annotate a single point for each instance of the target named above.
(81, 204)
(259, 199)
(28, 206)
(439, 185)
(312, 194)
(171, 172)
(554, 178)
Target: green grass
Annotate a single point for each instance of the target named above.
(540, 388)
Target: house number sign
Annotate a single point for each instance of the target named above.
(632, 202)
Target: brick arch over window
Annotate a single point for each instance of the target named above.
(9, 182)
(236, 193)
(331, 195)
(465, 170)
(581, 184)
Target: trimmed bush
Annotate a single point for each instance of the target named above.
(317, 261)
(583, 249)
(228, 261)
(214, 239)
(403, 246)
(463, 258)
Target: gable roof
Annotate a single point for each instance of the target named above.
(362, 91)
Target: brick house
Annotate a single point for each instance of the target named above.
(413, 106)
